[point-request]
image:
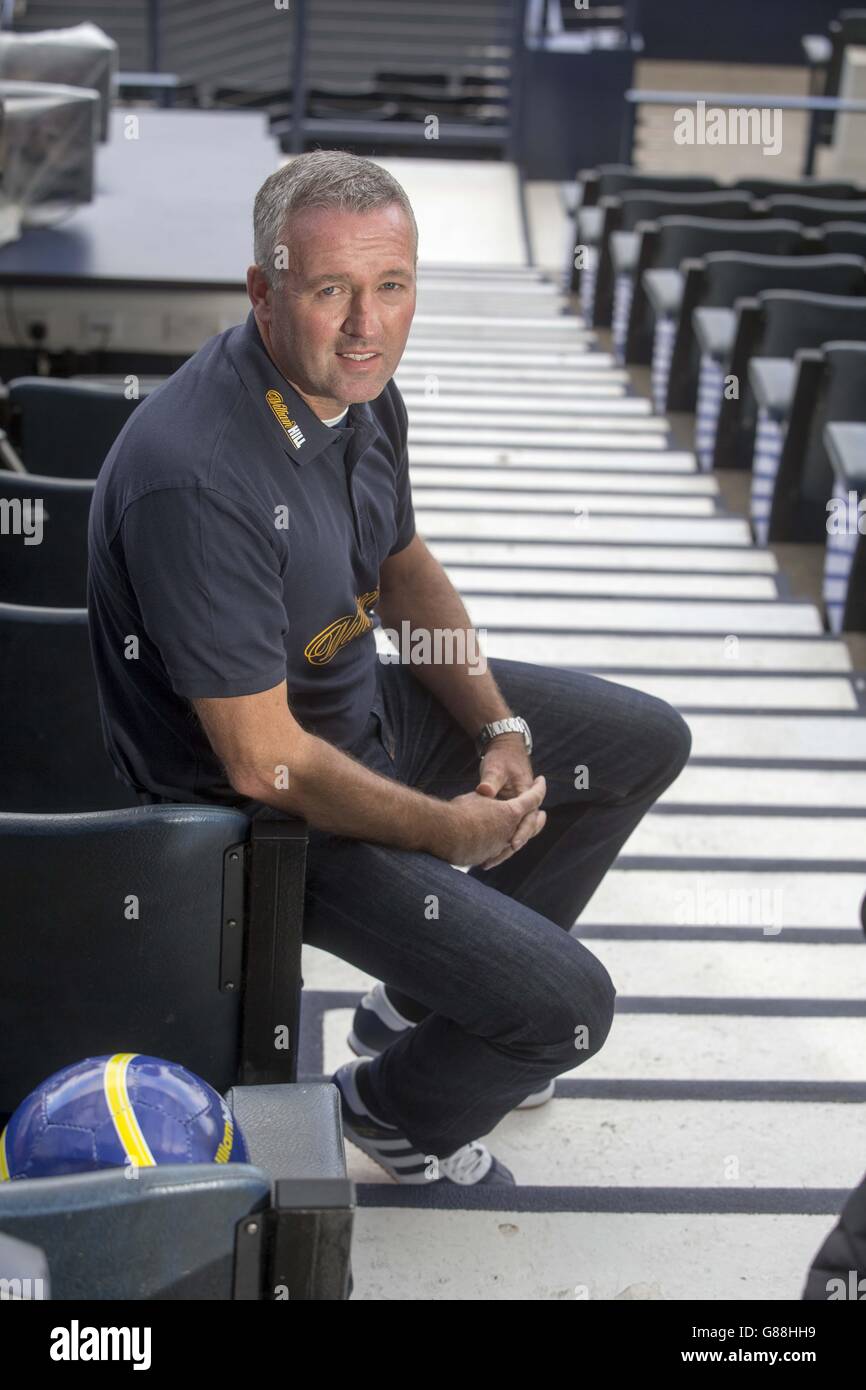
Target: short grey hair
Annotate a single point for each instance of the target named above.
(320, 179)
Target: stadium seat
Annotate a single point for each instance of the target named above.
(169, 930)
(51, 747)
(842, 238)
(800, 188)
(43, 548)
(664, 245)
(175, 932)
(719, 279)
(622, 214)
(813, 212)
(278, 1227)
(65, 428)
(845, 553)
(776, 323)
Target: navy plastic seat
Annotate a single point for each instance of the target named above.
(66, 426)
(173, 931)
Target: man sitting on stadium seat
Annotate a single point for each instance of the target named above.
(250, 519)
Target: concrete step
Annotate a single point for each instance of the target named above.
(624, 615)
(679, 560)
(622, 651)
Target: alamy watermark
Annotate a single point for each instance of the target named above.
(732, 125)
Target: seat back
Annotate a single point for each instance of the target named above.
(778, 323)
(43, 545)
(794, 319)
(681, 237)
(650, 205)
(122, 932)
(729, 276)
(722, 277)
(674, 239)
(66, 428)
(799, 188)
(829, 388)
(52, 753)
(609, 180)
(169, 1233)
(844, 237)
(813, 212)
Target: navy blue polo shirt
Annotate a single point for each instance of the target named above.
(235, 541)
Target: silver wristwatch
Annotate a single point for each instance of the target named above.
(515, 725)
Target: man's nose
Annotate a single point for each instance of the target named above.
(361, 320)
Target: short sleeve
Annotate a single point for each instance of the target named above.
(405, 510)
(208, 583)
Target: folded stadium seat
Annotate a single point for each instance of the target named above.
(776, 323)
(828, 387)
(43, 554)
(800, 188)
(666, 244)
(620, 238)
(609, 181)
(66, 426)
(843, 237)
(173, 931)
(51, 747)
(719, 279)
(814, 212)
(845, 554)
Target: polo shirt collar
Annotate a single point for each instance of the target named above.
(286, 415)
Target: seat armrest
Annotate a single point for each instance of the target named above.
(296, 1135)
(624, 252)
(773, 380)
(845, 442)
(291, 1131)
(715, 330)
(590, 222)
(664, 290)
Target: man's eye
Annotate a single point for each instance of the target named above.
(392, 284)
(327, 288)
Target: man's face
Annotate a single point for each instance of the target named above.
(350, 289)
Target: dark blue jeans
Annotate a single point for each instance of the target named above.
(507, 997)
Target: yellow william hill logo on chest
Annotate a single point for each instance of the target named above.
(281, 410)
(321, 648)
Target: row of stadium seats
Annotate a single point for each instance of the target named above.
(147, 927)
(751, 309)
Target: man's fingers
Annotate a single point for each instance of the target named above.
(491, 863)
(529, 828)
(530, 799)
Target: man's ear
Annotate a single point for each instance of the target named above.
(259, 292)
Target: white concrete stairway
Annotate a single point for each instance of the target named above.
(705, 1152)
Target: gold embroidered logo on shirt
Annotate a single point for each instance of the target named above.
(321, 648)
(281, 410)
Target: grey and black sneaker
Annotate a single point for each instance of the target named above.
(376, 1024)
(470, 1165)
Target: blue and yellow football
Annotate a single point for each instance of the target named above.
(126, 1110)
